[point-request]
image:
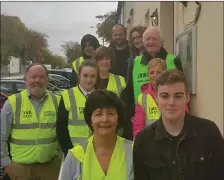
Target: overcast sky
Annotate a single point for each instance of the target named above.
(61, 21)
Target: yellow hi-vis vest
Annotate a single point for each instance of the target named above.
(121, 163)
(33, 139)
(76, 64)
(74, 102)
(150, 107)
(116, 84)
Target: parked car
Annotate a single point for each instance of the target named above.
(59, 81)
(59, 78)
(66, 72)
(13, 86)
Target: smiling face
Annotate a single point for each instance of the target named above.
(88, 78)
(89, 50)
(119, 35)
(104, 64)
(152, 41)
(154, 72)
(172, 100)
(137, 39)
(36, 80)
(104, 121)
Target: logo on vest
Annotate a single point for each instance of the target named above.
(27, 114)
(49, 113)
(80, 110)
(142, 75)
(153, 110)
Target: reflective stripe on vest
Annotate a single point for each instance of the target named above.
(76, 64)
(116, 84)
(150, 108)
(77, 127)
(33, 138)
(128, 146)
(31, 125)
(140, 72)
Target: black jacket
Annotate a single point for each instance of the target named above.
(128, 93)
(120, 60)
(62, 128)
(198, 154)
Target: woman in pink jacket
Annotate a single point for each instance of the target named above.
(156, 67)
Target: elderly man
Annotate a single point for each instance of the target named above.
(29, 119)
(121, 50)
(138, 71)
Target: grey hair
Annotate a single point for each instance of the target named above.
(156, 29)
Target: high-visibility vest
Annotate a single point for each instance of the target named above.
(74, 102)
(140, 72)
(116, 83)
(121, 163)
(76, 64)
(33, 139)
(150, 107)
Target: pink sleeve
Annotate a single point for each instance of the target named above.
(139, 119)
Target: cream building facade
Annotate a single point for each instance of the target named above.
(206, 20)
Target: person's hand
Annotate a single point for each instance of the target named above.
(7, 168)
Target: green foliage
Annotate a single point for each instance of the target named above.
(104, 29)
(72, 50)
(19, 41)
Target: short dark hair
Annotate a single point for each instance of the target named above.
(91, 63)
(172, 77)
(35, 64)
(102, 52)
(104, 99)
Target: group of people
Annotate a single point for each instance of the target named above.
(126, 117)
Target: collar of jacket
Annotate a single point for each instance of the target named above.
(112, 44)
(188, 129)
(147, 57)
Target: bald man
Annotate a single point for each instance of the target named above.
(29, 117)
(121, 50)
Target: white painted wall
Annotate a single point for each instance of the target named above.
(14, 66)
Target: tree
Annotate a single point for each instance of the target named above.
(36, 42)
(19, 41)
(72, 50)
(104, 29)
(58, 61)
(47, 56)
(13, 33)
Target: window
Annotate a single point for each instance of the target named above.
(7, 88)
(185, 48)
(20, 87)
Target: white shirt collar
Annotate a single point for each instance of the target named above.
(84, 92)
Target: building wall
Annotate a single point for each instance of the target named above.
(167, 24)
(208, 101)
(165, 11)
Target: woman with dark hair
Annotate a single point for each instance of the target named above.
(89, 44)
(105, 155)
(71, 128)
(109, 81)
